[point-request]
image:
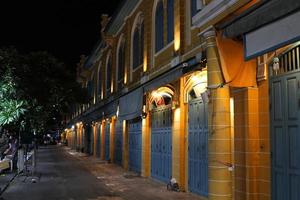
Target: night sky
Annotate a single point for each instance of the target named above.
(65, 28)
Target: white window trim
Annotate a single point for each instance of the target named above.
(138, 19)
(165, 47)
(109, 54)
(99, 96)
(121, 40)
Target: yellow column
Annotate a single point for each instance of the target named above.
(176, 133)
(219, 138)
(95, 139)
(80, 138)
(183, 136)
(103, 140)
(112, 139)
(125, 154)
(146, 155)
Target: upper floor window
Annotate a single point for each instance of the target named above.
(196, 5)
(90, 88)
(138, 44)
(121, 62)
(94, 91)
(108, 75)
(99, 82)
(159, 26)
(170, 11)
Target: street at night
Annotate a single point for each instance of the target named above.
(63, 174)
(150, 100)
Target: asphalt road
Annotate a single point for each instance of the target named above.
(59, 177)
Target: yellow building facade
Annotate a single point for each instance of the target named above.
(173, 97)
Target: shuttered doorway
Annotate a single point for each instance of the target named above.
(161, 143)
(198, 147)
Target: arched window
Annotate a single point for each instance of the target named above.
(99, 88)
(90, 89)
(196, 5)
(159, 26)
(138, 44)
(170, 11)
(121, 62)
(108, 75)
(94, 92)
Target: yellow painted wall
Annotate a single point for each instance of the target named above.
(252, 143)
(95, 140)
(146, 147)
(125, 155)
(112, 139)
(103, 140)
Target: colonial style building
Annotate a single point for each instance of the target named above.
(204, 91)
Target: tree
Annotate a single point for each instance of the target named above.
(11, 107)
(41, 90)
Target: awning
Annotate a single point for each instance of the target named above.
(110, 109)
(268, 11)
(163, 79)
(236, 71)
(131, 105)
(175, 73)
(272, 36)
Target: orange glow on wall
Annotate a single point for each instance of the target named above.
(145, 64)
(112, 86)
(177, 40)
(177, 115)
(125, 77)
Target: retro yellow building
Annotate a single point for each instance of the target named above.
(173, 97)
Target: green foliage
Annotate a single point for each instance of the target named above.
(11, 107)
(37, 90)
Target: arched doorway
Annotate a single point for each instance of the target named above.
(161, 133)
(196, 97)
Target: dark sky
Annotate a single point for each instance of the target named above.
(65, 28)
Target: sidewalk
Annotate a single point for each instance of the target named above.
(128, 185)
(5, 179)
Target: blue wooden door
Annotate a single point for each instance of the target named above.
(118, 142)
(88, 139)
(83, 142)
(92, 140)
(107, 141)
(135, 145)
(98, 141)
(285, 136)
(161, 143)
(198, 147)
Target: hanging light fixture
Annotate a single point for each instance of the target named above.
(276, 64)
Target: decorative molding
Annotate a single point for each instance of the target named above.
(213, 10)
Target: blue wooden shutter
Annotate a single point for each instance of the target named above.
(135, 49)
(108, 76)
(89, 88)
(94, 88)
(141, 42)
(193, 7)
(170, 10)
(99, 83)
(159, 26)
(121, 61)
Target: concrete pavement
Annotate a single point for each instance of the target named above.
(63, 174)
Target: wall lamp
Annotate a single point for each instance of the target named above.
(144, 115)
